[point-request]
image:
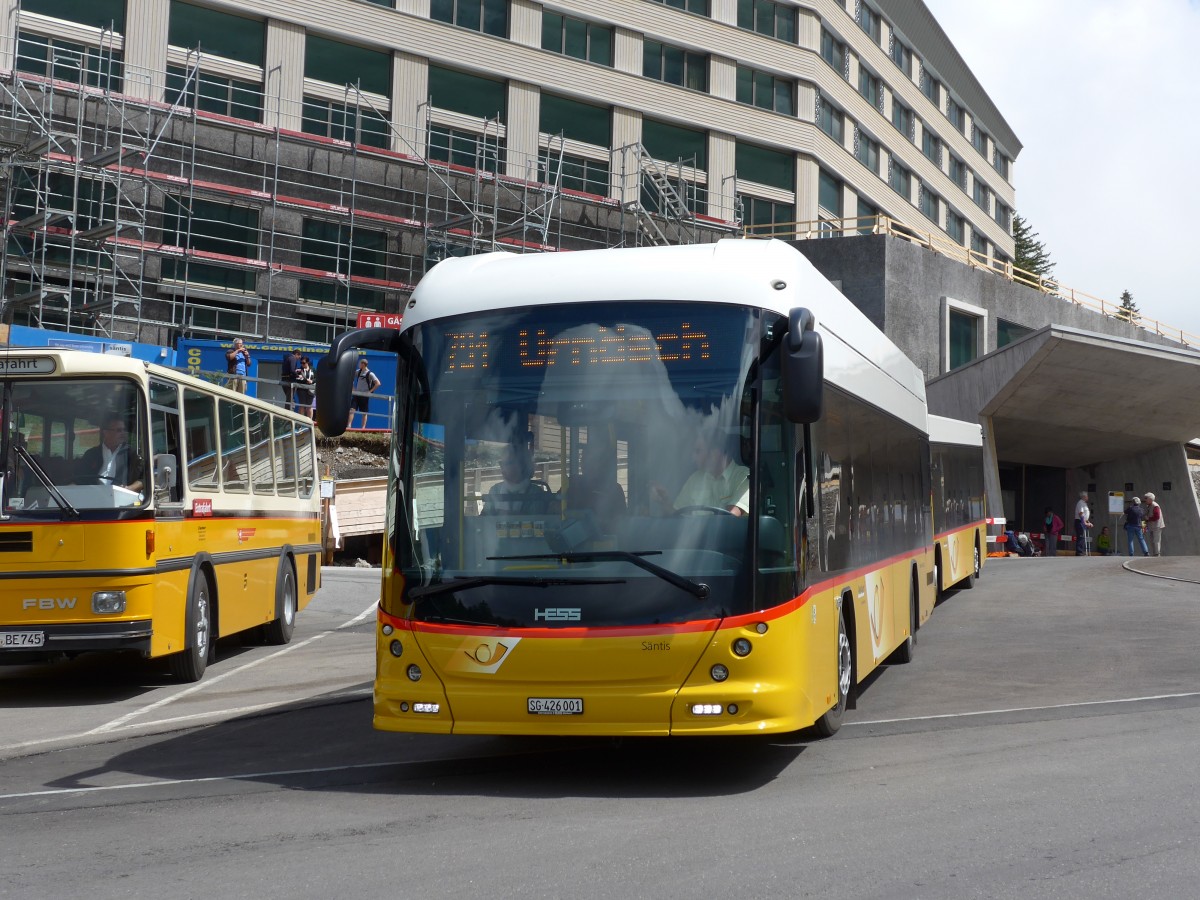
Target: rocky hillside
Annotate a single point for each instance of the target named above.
(353, 455)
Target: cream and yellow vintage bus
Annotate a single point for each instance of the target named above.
(960, 526)
(148, 511)
(659, 491)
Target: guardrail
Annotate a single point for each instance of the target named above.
(270, 390)
(944, 246)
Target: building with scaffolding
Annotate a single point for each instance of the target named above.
(272, 170)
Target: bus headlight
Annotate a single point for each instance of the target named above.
(108, 602)
(718, 672)
(741, 647)
(414, 672)
(396, 648)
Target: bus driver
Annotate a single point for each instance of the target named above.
(111, 461)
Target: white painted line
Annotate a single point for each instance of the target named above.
(324, 700)
(216, 679)
(1026, 709)
(167, 782)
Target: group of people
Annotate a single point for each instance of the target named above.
(1142, 514)
(299, 383)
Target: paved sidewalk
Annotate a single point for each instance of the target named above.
(1177, 568)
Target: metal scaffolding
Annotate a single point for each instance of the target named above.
(148, 220)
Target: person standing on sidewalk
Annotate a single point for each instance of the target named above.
(1133, 526)
(1054, 527)
(1083, 521)
(1154, 522)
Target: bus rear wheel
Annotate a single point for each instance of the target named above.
(190, 663)
(828, 724)
(279, 630)
(976, 569)
(907, 650)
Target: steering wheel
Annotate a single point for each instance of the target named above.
(711, 510)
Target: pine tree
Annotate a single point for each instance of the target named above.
(1128, 310)
(1032, 255)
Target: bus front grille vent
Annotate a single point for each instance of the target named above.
(16, 541)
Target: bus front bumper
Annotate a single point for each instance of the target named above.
(22, 644)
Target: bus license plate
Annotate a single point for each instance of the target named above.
(556, 706)
(21, 640)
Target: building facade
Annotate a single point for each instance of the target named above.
(271, 169)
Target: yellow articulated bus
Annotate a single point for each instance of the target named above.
(956, 451)
(145, 510)
(660, 491)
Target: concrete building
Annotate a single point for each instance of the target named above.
(1070, 399)
(273, 169)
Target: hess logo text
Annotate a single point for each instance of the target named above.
(557, 614)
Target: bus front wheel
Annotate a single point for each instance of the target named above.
(190, 663)
(828, 724)
(279, 630)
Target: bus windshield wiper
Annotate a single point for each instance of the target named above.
(466, 584)
(697, 589)
(68, 511)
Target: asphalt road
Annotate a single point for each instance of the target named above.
(1043, 744)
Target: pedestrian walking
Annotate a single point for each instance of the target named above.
(237, 360)
(1154, 522)
(1083, 521)
(1134, 515)
(365, 382)
(1054, 526)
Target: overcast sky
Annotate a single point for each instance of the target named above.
(1102, 94)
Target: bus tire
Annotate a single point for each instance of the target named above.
(828, 724)
(189, 664)
(908, 648)
(969, 582)
(279, 630)
(939, 592)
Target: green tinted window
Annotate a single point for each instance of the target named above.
(766, 166)
(97, 13)
(338, 63)
(233, 37)
(671, 142)
(575, 120)
(467, 94)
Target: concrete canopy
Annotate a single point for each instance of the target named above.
(1069, 398)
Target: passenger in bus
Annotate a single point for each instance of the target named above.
(596, 487)
(518, 493)
(112, 461)
(718, 481)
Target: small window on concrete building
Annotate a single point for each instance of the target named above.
(964, 333)
(1007, 332)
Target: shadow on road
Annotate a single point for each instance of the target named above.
(333, 747)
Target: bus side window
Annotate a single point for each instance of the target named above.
(164, 439)
(201, 439)
(235, 457)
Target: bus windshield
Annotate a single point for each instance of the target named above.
(72, 445)
(578, 465)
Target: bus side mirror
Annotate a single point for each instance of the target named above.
(803, 369)
(335, 384)
(165, 469)
(335, 374)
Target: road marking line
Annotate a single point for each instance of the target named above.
(216, 679)
(168, 782)
(1026, 709)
